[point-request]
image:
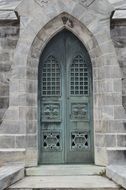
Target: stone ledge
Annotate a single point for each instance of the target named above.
(119, 14)
(117, 173)
(116, 148)
(10, 175)
(9, 5)
(8, 15)
(12, 149)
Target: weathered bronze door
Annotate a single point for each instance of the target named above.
(65, 102)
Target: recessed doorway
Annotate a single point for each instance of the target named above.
(65, 102)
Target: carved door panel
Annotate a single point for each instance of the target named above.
(79, 101)
(51, 98)
(65, 102)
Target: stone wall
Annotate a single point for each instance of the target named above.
(118, 35)
(9, 34)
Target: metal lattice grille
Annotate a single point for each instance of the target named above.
(51, 141)
(79, 77)
(79, 140)
(51, 77)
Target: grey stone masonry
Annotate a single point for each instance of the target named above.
(9, 34)
(19, 61)
(118, 34)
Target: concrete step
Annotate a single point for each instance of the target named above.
(10, 174)
(117, 173)
(65, 183)
(65, 170)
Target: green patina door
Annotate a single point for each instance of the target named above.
(65, 102)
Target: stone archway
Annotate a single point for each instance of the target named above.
(95, 52)
(49, 31)
(91, 26)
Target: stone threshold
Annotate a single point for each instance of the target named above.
(65, 170)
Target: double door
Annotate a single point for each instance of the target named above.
(65, 102)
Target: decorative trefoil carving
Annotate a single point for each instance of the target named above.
(42, 3)
(67, 21)
(86, 3)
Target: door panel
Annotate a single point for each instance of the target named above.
(51, 109)
(65, 102)
(78, 127)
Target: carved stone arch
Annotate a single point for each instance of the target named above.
(73, 25)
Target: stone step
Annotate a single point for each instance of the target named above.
(117, 173)
(10, 175)
(65, 183)
(65, 170)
